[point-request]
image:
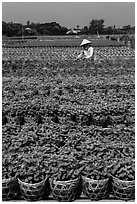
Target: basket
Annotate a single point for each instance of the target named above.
(123, 190)
(95, 189)
(10, 189)
(66, 190)
(34, 192)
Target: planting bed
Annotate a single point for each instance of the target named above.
(65, 120)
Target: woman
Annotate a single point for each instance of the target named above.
(87, 51)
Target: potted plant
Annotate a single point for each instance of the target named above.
(65, 182)
(10, 187)
(95, 180)
(33, 181)
(123, 179)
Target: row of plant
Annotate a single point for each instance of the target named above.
(40, 61)
(72, 101)
(57, 53)
(69, 119)
(46, 151)
(67, 172)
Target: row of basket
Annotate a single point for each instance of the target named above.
(14, 189)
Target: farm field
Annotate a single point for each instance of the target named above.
(67, 40)
(66, 118)
(56, 41)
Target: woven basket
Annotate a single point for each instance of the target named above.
(123, 190)
(66, 190)
(34, 192)
(95, 189)
(10, 189)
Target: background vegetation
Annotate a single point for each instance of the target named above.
(96, 26)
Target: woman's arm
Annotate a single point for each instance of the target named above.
(80, 55)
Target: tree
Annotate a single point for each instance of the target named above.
(96, 25)
(28, 23)
(11, 29)
(85, 30)
(4, 28)
(108, 30)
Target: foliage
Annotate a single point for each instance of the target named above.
(66, 118)
(15, 29)
(96, 26)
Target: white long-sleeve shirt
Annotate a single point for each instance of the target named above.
(86, 53)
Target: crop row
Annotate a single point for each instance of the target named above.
(46, 118)
(69, 119)
(54, 53)
(52, 61)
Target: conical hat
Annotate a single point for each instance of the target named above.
(84, 42)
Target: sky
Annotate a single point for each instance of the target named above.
(70, 14)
